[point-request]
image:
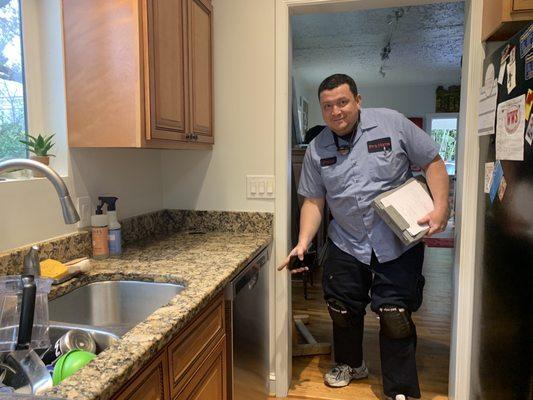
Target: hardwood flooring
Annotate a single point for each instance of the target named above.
(433, 322)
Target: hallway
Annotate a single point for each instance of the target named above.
(433, 322)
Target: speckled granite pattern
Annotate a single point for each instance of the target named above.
(150, 226)
(64, 248)
(163, 223)
(222, 221)
(204, 263)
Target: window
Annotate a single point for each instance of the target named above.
(12, 100)
(443, 129)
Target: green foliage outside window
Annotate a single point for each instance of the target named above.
(447, 139)
(12, 108)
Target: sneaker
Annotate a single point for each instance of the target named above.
(398, 397)
(341, 375)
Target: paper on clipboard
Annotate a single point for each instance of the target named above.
(412, 202)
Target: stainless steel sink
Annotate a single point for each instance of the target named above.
(119, 305)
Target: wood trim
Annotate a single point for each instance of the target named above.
(175, 144)
(283, 357)
(189, 350)
(466, 201)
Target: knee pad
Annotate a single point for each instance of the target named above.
(340, 314)
(395, 322)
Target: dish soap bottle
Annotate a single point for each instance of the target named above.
(115, 233)
(100, 233)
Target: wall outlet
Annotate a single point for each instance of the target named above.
(260, 187)
(84, 210)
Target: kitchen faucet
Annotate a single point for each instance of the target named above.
(70, 215)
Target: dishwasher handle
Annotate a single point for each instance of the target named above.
(249, 277)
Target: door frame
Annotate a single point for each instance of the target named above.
(466, 195)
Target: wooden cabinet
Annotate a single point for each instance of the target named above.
(150, 384)
(503, 18)
(192, 366)
(209, 381)
(139, 73)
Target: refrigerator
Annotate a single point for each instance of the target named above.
(502, 342)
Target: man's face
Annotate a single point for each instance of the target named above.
(340, 109)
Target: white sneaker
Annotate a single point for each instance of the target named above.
(341, 375)
(398, 397)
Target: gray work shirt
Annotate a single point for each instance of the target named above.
(383, 147)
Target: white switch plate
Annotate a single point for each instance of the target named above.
(260, 187)
(84, 210)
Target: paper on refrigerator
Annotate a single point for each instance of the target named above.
(489, 171)
(488, 96)
(510, 123)
(412, 202)
(511, 71)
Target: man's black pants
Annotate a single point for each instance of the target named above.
(398, 282)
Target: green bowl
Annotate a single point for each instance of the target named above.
(70, 363)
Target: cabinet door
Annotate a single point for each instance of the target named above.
(194, 344)
(150, 384)
(522, 5)
(209, 382)
(167, 92)
(201, 69)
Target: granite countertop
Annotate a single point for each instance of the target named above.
(204, 263)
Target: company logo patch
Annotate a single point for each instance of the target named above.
(324, 162)
(381, 144)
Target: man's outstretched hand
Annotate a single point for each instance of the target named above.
(298, 251)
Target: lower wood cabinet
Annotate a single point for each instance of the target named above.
(209, 381)
(193, 366)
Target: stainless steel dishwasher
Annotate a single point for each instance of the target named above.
(248, 346)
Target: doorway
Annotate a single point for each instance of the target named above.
(377, 47)
(284, 8)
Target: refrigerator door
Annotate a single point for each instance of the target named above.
(502, 326)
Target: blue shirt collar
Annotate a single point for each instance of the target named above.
(367, 122)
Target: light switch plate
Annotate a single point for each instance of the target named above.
(84, 210)
(260, 187)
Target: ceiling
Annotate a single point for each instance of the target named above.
(426, 45)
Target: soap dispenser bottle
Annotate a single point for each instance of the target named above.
(100, 233)
(115, 233)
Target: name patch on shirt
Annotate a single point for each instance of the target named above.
(381, 144)
(324, 162)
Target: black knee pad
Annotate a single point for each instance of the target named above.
(395, 322)
(340, 314)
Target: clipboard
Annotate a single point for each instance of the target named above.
(394, 219)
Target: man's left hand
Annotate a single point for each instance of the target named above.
(437, 220)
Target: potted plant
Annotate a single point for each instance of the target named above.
(40, 147)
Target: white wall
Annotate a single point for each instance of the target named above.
(244, 116)
(30, 210)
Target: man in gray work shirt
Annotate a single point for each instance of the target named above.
(359, 155)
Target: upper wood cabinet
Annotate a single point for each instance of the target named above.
(139, 73)
(503, 18)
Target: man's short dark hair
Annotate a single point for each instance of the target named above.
(334, 81)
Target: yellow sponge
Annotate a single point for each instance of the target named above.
(53, 269)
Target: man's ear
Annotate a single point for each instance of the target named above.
(359, 99)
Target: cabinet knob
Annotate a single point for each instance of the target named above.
(188, 136)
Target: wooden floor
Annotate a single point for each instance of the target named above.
(433, 326)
